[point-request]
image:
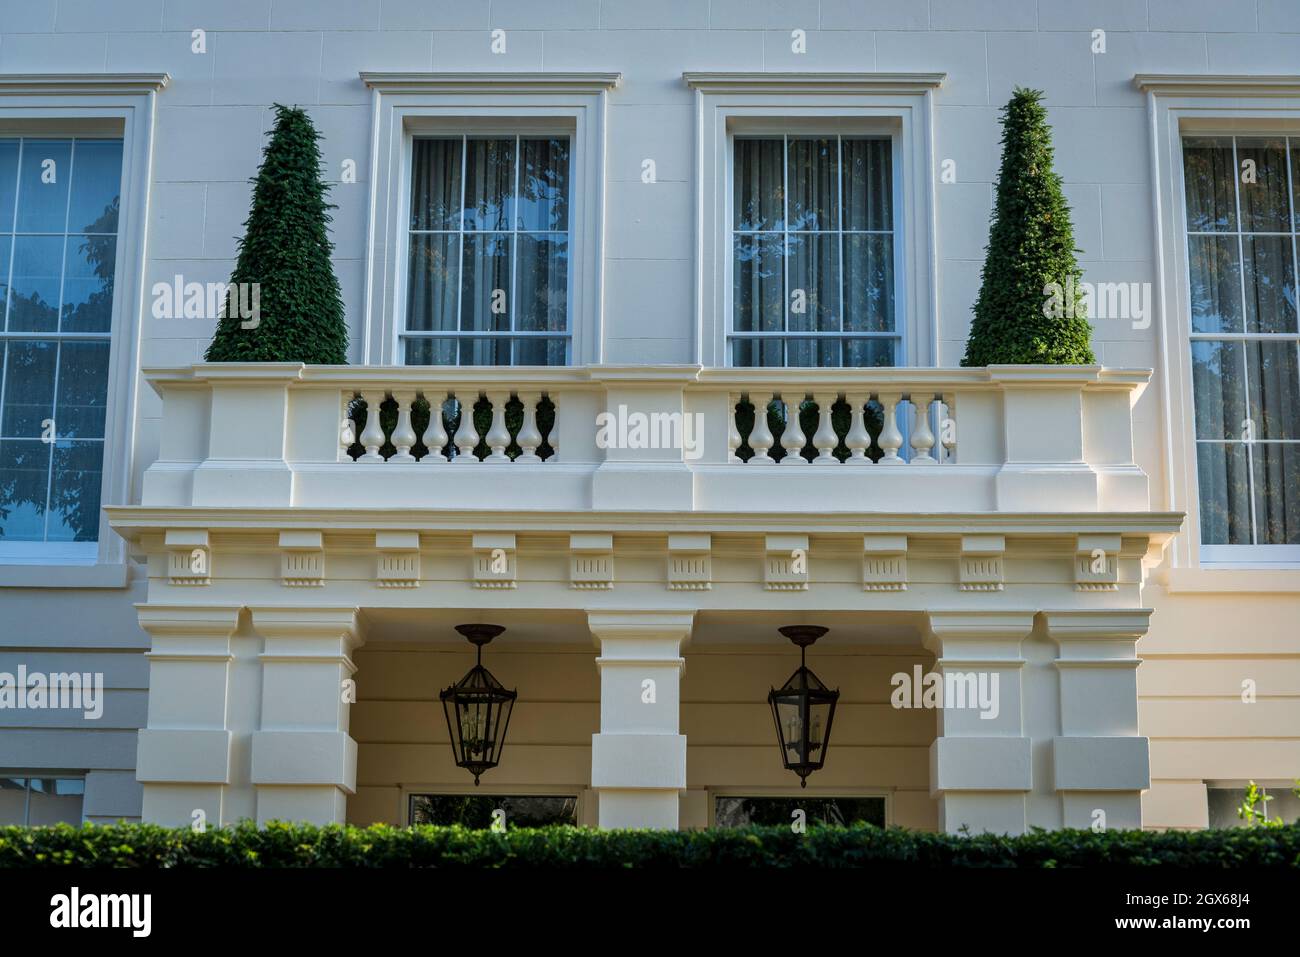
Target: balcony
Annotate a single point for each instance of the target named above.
(1017, 439)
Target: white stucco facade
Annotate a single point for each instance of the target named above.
(1041, 526)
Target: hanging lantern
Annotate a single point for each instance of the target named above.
(478, 709)
(803, 709)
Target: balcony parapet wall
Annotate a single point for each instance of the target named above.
(1020, 439)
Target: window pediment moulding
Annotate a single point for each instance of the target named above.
(846, 84)
(81, 84)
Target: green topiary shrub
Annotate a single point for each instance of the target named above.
(286, 252)
(1031, 246)
(284, 845)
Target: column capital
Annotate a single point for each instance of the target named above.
(1105, 624)
(167, 621)
(607, 625)
(977, 627)
(294, 621)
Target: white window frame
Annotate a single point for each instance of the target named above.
(1200, 105)
(896, 104)
(100, 104)
(406, 105)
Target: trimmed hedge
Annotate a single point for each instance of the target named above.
(144, 846)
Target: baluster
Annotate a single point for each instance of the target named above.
(859, 439)
(947, 427)
(403, 435)
(891, 440)
(760, 436)
(922, 434)
(435, 436)
(347, 427)
(466, 437)
(553, 437)
(792, 439)
(733, 433)
(529, 437)
(498, 437)
(825, 438)
(372, 436)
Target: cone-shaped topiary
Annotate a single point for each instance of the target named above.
(1030, 307)
(294, 313)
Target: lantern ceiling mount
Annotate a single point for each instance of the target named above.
(803, 709)
(478, 708)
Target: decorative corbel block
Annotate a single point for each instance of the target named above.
(884, 563)
(302, 559)
(494, 560)
(981, 562)
(189, 559)
(591, 561)
(1096, 563)
(785, 565)
(398, 565)
(690, 565)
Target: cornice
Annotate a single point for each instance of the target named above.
(81, 84)
(133, 520)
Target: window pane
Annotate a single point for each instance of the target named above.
(1274, 389)
(475, 810)
(757, 282)
(813, 181)
(485, 292)
(88, 283)
(869, 283)
(432, 352)
(1264, 203)
(433, 271)
(543, 281)
(1223, 804)
(1208, 173)
(54, 802)
(24, 480)
(435, 183)
(74, 492)
(1213, 262)
(34, 292)
(823, 352)
(870, 353)
(814, 277)
(13, 801)
(96, 182)
(1222, 473)
(1277, 492)
(536, 351)
(1219, 388)
(8, 185)
(758, 352)
(29, 387)
(485, 352)
(868, 184)
(43, 186)
(1270, 284)
(544, 185)
(489, 183)
(742, 811)
(83, 390)
(759, 184)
